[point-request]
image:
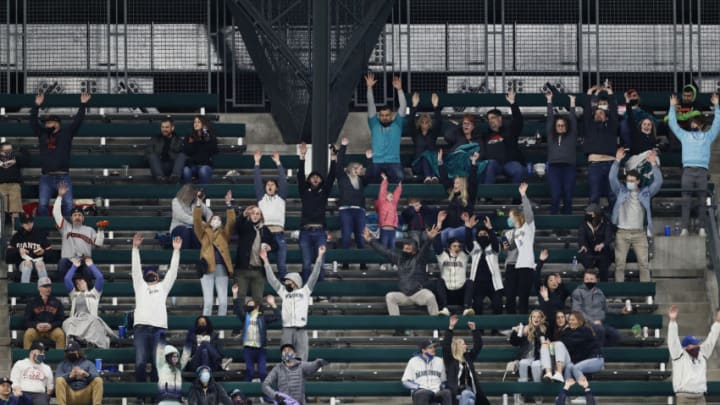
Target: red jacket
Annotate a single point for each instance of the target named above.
(387, 211)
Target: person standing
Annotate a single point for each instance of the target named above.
(271, 198)
(386, 129)
(519, 279)
(55, 147)
(600, 142)
(460, 365)
(562, 134)
(11, 179)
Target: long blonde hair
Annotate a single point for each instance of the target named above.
(186, 194)
(424, 117)
(457, 352)
(532, 330)
(463, 191)
(519, 215)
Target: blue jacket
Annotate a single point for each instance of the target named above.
(13, 400)
(262, 320)
(386, 140)
(695, 144)
(645, 194)
(64, 368)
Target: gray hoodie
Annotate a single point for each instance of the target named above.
(290, 380)
(411, 270)
(592, 303)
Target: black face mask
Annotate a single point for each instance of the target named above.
(289, 287)
(407, 255)
(484, 241)
(72, 357)
(201, 330)
(249, 308)
(588, 217)
(150, 277)
(590, 286)
(694, 352)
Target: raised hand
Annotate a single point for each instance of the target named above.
(235, 290)
(673, 313)
(415, 99)
(257, 155)
(523, 189)
(488, 223)
(572, 100)
(76, 261)
(440, 156)
(510, 96)
(370, 80)
(368, 154)
(620, 154)
(433, 232)
(673, 100)
(177, 243)
(441, 216)
(397, 83)
(344, 141)
(592, 90)
(471, 222)
(549, 97)
(544, 293)
(138, 239)
(544, 254)
(321, 250)
(471, 325)
(39, 99)
(383, 176)
(367, 234)
(276, 158)
(714, 99)
(717, 315)
(453, 322)
(435, 100)
(474, 158)
(62, 189)
(303, 150)
(88, 261)
(85, 97)
(270, 300)
(228, 197)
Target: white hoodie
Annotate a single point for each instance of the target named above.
(453, 269)
(295, 303)
(689, 376)
(422, 374)
(150, 308)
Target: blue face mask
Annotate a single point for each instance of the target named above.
(40, 358)
(204, 377)
(510, 223)
(630, 186)
(289, 356)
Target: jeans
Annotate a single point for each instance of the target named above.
(462, 296)
(601, 260)
(534, 366)
(694, 178)
(423, 168)
(467, 397)
(561, 355)
(393, 171)
(446, 235)
(427, 397)
(587, 366)
(606, 335)
(218, 280)
(352, 222)
(189, 239)
(518, 283)
(599, 181)
(387, 238)
(310, 240)
(48, 185)
(202, 172)
(561, 179)
(26, 268)
(170, 167)
(253, 356)
(513, 169)
(205, 355)
(281, 254)
(638, 240)
(145, 339)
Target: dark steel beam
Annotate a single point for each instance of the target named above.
(320, 83)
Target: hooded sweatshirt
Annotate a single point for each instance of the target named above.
(295, 303)
(561, 148)
(695, 144)
(411, 269)
(169, 377)
(601, 137)
(387, 210)
(213, 394)
(55, 147)
(150, 308)
(290, 380)
(314, 200)
(685, 111)
(689, 376)
(421, 373)
(453, 269)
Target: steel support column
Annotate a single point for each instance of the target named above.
(320, 84)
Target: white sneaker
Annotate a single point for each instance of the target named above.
(547, 377)
(383, 267)
(469, 312)
(684, 232)
(702, 233)
(444, 311)
(578, 400)
(557, 377)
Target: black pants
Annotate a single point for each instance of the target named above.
(518, 283)
(427, 397)
(460, 296)
(601, 260)
(483, 289)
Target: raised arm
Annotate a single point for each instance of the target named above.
(317, 269)
(389, 254)
(657, 183)
(517, 123)
(402, 101)
(269, 275)
(281, 177)
(330, 179)
(310, 367)
(198, 223)
(613, 118)
(257, 179)
(572, 117)
(340, 166)
(34, 112)
(80, 114)
(477, 340)
(707, 346)
(673, 340)
(672, 119)
(68, 280)
(613, 175)
(369, 83)
(715, 128)
(57, 207)
(527, 205)
(382, 191)
(550, 123)
(136, 265)
(99, 279)
(100, 237)
(301, 170)
(172, 272)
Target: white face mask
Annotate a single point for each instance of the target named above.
(215, 223)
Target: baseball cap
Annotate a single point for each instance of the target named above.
(424, 344)
(5, 380)
(72, 346)
(52, 118)
(37, 345)
(43, 281)
(690, 340)
(77, 209)
(26, 218)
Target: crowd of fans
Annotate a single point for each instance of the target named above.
(623, 167)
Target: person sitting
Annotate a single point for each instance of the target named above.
(425, 377)
(27, 249)
(464, 134)
(84, 324)
(412, 276)
(32, 377)
(484, 268)
(181, 224)
(552, 293)
(386, 208)
(460, 365)
(10, 396)
(78, 240)
(565, 392)
(286, 381)
(255, 320)
(578, 350)
(202, 346)
(530, 338)
(562, 135)
(352, 179)
(164, 153)
(595, 238)
(206, 391)
(590, 300)
(44, 317)
(556, 330)
(77, 382)
(199, 147)
(271, 199)
(215, 264)
(11, 163)
(386, 132)
(453, 286)
(501, 144)
(169, 369)
(425, 132)
(631, 212)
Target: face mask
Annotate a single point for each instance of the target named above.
(630, 186)
(407, 255)
(694, 352)
(588, 217)
(40, 358)
(590, 286)
(72, 357)
(172, 360)
(204, 377)
(287, 357)
(249, 308)
(150, 277)
(215, 223)
(510, 223)
(289, 287)
(484, 241)
(201, 329)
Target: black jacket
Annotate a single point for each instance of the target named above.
(502, 145)
(581, 343)
(424, 142)
(200, 150)
(27, 240)
(412, 275)
(349, 195)
(526, 346)
(314, 201)
(600, 137)
(455, 208)
(639, 142)
(214, 394)
(588, 239)
(38, 311)
(454, 137)
(13, 174)
(55, 148)
(157, 143)
(419, 221)
(452, 366)
(246, 236)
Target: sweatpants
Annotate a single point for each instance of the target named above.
(424, 297)
(297, 337)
